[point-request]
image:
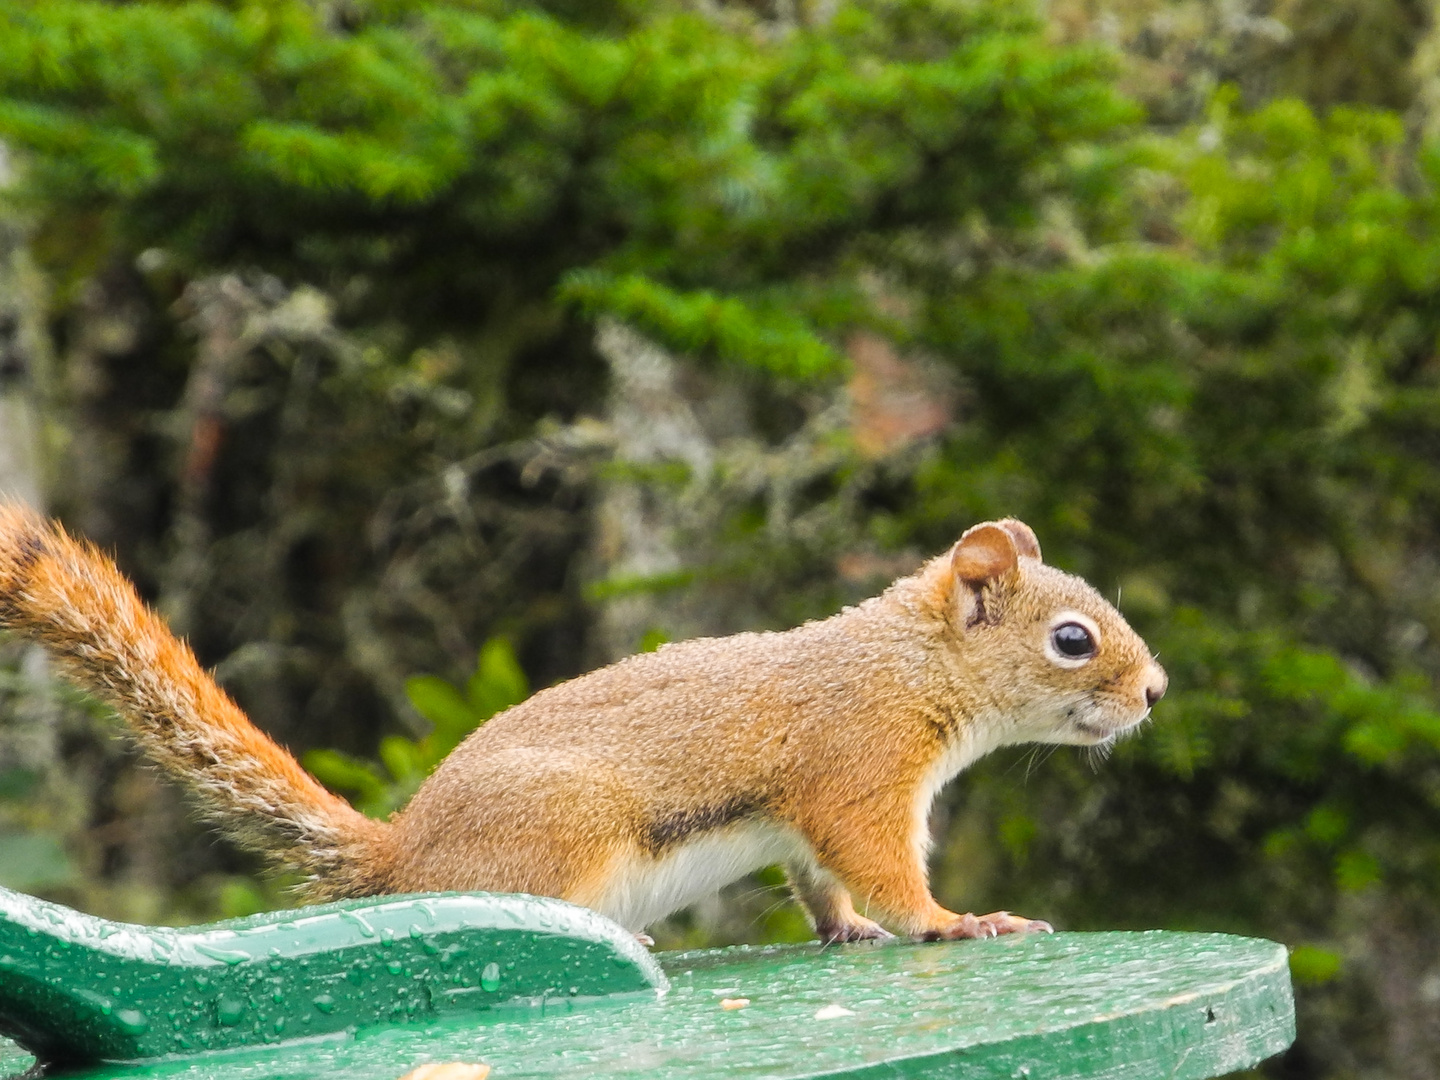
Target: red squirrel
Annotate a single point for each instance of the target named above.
(642, 786)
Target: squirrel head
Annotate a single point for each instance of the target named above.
(1056, 662)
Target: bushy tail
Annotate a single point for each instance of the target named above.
(72, 599)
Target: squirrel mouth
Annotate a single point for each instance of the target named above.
(1103, 732)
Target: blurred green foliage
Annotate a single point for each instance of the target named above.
(1202, 361)
(448, 159)
(453, 712)
(1236, 429)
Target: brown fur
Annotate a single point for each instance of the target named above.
(821, 746)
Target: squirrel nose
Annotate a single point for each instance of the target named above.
(1155, 689)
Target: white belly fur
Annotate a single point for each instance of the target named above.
(967, 748)
(643, 888)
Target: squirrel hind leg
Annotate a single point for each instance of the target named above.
(828, 902)
(525, 820)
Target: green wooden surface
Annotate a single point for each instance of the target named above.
(77, 989)
(1114, 1005)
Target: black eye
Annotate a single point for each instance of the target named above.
(1072, 640)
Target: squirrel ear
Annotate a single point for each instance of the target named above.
(1025, 541)
(984, 553)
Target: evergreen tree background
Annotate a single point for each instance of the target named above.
(369, 331)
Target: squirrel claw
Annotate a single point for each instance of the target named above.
(988, 926)
(861, 929)
(646, 940)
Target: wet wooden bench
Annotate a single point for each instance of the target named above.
(539, 988)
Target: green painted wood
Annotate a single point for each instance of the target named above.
(1118, 1006)
(13, 1060)
(76, 989)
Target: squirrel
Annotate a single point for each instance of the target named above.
(643, 786)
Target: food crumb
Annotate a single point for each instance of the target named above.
(452, 1070)
(734, 1003)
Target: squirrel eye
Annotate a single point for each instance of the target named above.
(1073, 640)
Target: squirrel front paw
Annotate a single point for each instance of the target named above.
(987, 926)
(856, 928)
